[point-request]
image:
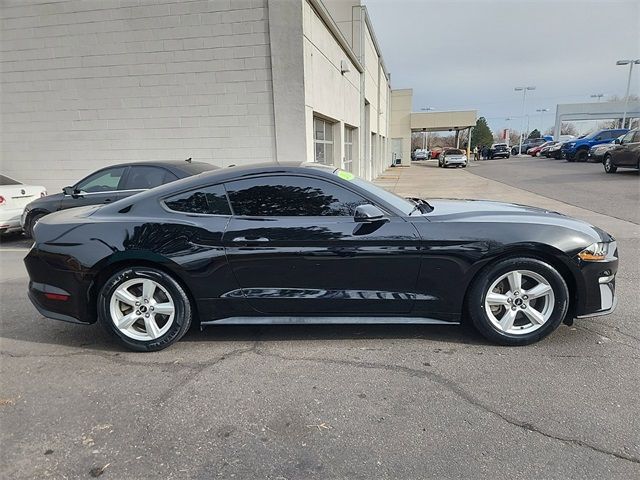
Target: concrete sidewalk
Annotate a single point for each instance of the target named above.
(426, 180)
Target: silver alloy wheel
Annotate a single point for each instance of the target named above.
(142, 309)
(519, 302)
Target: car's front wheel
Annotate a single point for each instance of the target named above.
(609, 167)
(518, 301)
(31, 223)
(145, 308)
(582, 155)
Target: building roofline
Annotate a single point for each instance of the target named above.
(324, 14)
(374, 39)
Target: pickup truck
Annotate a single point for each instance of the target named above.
(578, 150)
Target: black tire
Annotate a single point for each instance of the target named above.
(182, 313)
(475, 304)
(31, 223)
(582, 155)
(609, 167)
(464, 165)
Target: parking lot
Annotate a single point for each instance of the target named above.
(289, 402)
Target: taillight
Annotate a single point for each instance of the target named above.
(2, 200)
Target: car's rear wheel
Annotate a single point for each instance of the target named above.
(609, 167)
(518, 301)
(145, 308)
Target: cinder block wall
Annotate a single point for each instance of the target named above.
(88, 83)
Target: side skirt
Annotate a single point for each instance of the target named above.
(326, 320)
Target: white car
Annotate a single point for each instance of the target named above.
(454, 157)
(14, 196)
(421, 154)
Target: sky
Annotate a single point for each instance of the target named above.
(459, 55)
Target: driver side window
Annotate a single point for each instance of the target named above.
(628, 138)
(102, 181)
(291, 196)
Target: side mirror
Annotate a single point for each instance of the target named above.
(617, 141)
(597, 139)
(68, 190)
(368, 214)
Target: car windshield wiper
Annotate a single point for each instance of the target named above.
(422, 205)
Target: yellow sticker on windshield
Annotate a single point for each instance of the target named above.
(345, 175)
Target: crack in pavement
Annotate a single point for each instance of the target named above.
(117, 358)
(175, 389)
(614, 340)
(452, 386)
(457, 390)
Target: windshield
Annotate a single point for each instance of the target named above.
(4, 180)
(400, 203)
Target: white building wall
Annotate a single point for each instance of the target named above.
(89, 83)
(329, 93)
(342, 97)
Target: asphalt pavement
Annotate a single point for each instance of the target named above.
(294, 402)
(590, 187)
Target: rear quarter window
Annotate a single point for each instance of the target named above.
(211, 200)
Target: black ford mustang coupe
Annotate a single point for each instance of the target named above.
(306, 243)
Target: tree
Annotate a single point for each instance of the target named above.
(535, 134)
(481, 134)
(567, 128)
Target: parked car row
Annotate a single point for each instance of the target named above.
(614, 148)
(22, 206)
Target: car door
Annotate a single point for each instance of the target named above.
(295, 248)
(99, 187)
(634, 150)
(623, 155)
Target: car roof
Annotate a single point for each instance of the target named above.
(186, 165)
(220, 175)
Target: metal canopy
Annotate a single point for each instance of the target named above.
(439, 121)
(593, 111)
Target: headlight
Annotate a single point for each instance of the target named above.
(595, 252)
(464, 157)
(572, 144)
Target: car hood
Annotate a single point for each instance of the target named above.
(50, 203)
(486, 211)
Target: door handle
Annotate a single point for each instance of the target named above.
(250, 239)
(107, 200)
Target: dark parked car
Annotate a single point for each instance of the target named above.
(499, 150)
(109, 185)
(597, 152)
(312, 244)
(626, 153)
(527, 144)
(545, 151)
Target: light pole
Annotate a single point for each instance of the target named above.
(598, 96)
(524, 101)
(541, 111)
(626, 97)
(425, 142)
